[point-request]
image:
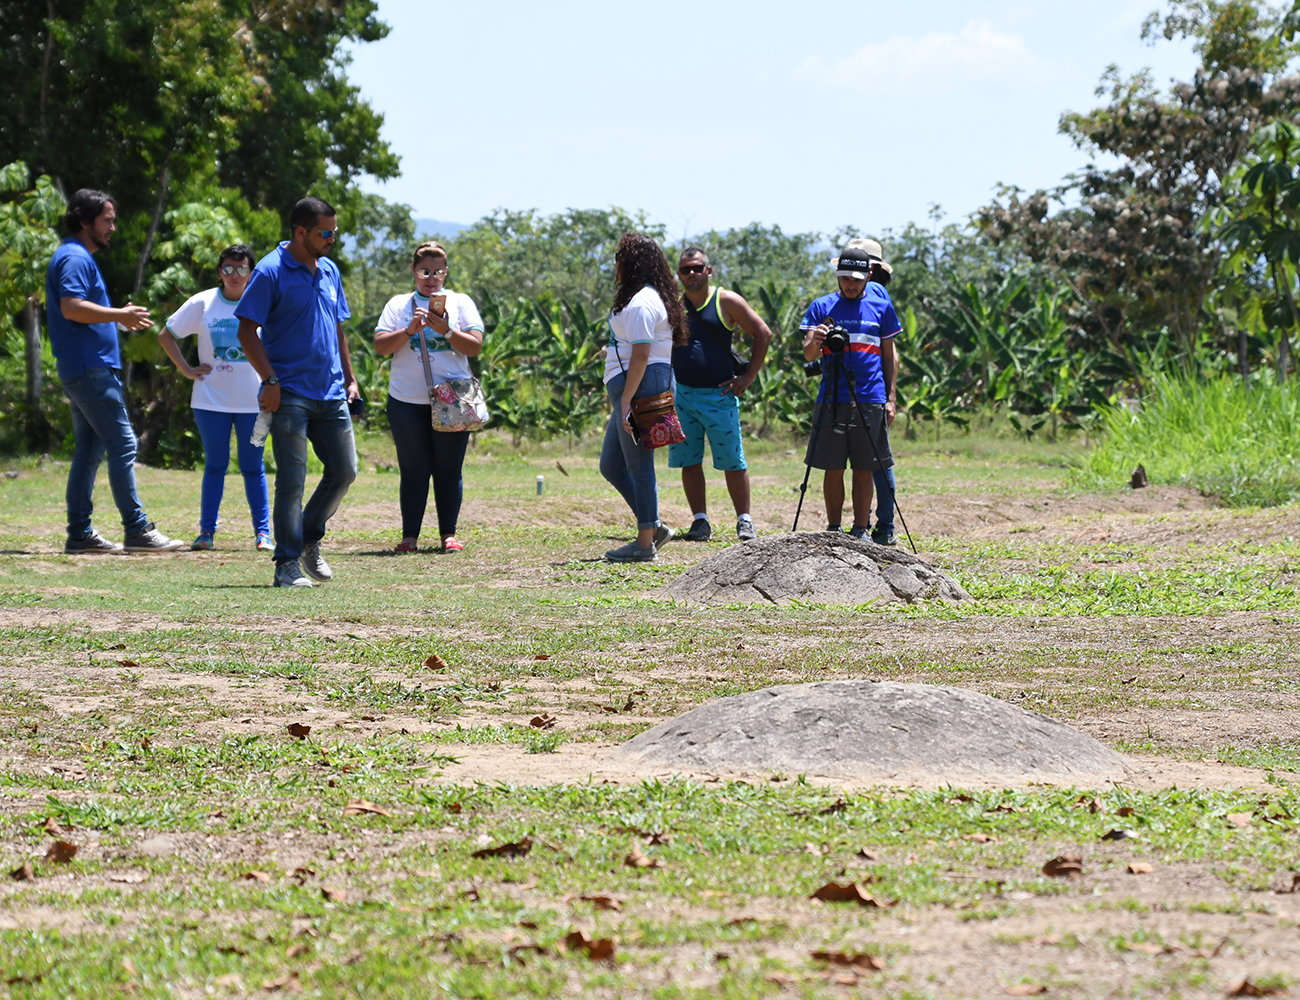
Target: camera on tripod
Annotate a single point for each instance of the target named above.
(837, 339)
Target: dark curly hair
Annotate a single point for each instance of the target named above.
(641, 262)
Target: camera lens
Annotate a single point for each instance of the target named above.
(812, 368)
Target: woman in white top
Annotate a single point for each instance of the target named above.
(224, 395)
(646, 319)
(453, 333)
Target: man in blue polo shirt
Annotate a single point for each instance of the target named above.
(296, 296)
(83, 334)
(866, 313)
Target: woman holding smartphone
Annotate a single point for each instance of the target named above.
(453, 333)
(646, 320)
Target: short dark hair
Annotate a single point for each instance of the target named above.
(84, 208)
(307, 211)
(693, 251)
(429, 248)
(236, 251)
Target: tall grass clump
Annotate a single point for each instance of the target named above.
(1235, 439)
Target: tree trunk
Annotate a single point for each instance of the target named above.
(154, 219)
(1283, 280)
(36, 427)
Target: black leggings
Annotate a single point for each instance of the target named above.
(423, 453)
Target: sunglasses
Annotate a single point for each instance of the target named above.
(692, 268)
(425, 273)
(243, 270)
(327, 234)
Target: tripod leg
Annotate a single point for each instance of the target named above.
(866, 426)
(812, 450)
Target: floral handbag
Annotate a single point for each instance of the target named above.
(654, 418)
(458, 404)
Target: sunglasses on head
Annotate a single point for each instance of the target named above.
(692, 268)
(243, 270)
(425, 273)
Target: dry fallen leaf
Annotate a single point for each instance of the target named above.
(1026, 990)
(51, 827)
(833, 892)
(563, 471)
(781, 978)
(1140, 868)
(1294, 885)
(867, 855)
(838, 806)
(543, 721)
(629, 704)
(61, 851)
(435, 662)
(1249, 989)
(1146, 947)
(472, 895)
(256, 876)
(359, 807)
(24, 873)
(516, 849)
(604, 903)
(859, 959)
(980, 838)
(520, 951)
(128, 966)
(294, 950)
(638, 859)
(597, 949)
(1241, 820)
(133, 877)
(1129, 680)
(1064, 866)
(129, 664)
(1118, 835)
(542, 656)
(333, 895)
(1125, 811)
(298, 730)
(812, 849)
(287, 983)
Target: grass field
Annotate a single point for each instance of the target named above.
(144, 706)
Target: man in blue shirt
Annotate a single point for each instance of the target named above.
(866, 314)
(83, 334)
(296, 296)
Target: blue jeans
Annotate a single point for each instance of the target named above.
(327, 425)
(101, 429)
(630, 468)
(424, 454)
(886, 486)
(214, 428)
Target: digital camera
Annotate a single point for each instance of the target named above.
(837, 340)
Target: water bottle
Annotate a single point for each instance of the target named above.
(261, 429)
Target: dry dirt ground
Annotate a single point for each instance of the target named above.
(1151, 682)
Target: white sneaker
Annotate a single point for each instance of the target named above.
(745, 529)
(289, 574)
(314, 564)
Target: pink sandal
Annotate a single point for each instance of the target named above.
(452, 545)
(403, 547)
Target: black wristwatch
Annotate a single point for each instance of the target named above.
(273, 380)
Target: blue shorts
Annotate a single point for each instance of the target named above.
(708, 411)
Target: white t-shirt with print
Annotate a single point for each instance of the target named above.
(232, 385)
(643, 321)
(406, 381)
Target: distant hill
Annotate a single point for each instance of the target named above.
(432, 227)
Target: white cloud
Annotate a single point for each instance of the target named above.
(936, 61)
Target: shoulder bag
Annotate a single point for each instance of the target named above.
(458, 404)
(654, 418)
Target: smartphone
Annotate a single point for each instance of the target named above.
(357, 407)
(438, 304)
(636, 431)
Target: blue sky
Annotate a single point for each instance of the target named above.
(717, 114)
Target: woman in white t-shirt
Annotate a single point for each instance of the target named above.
(453, 333)
(646, 320)
(224, 395)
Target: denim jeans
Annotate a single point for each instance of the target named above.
(424, 454)
(630, 468)
(886, 486)
(101, 429)
(327, 425)
(214, 428)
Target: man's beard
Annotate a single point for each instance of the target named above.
(100, 241)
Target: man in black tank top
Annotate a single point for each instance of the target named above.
(710, 379)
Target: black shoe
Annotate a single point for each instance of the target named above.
(837, 528)
(883, 536)
(93, 544)
(151, 540)
(859, 531)
(700, 531)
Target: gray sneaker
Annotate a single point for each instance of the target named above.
(745, 529)
(289, 574)
(151, 540)
(93, 544)
(662, 534)
(632, 552)
(314, 564)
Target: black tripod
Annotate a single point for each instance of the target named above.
(832, 366)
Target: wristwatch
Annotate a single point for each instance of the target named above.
(273, 380)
